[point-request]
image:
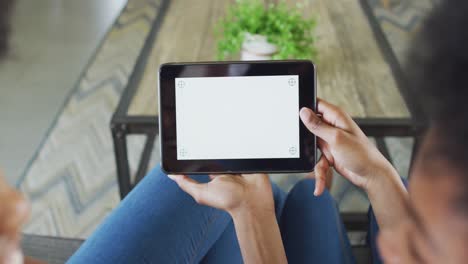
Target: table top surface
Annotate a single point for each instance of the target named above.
(352, 70)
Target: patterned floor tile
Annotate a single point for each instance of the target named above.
(72, 181)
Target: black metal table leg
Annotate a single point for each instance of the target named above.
(145, 157)
(121, 158)
(382, 147)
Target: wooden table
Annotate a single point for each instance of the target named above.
(356, 69)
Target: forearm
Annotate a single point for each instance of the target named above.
(387, 195)
(259, 237)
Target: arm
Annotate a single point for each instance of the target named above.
(259, 237)
(349, 151)
(388, 196)
(249, 201)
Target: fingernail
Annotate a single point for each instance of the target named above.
(315, 193)
(305, 113)
(172, 177)
(15, 257)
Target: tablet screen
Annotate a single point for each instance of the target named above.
(236, 117)
(240, 117)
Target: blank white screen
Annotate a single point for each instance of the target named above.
(251, 117)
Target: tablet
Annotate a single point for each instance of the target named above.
(236, 117)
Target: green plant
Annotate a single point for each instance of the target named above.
(283, 26)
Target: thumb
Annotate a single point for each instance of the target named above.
(316, 125)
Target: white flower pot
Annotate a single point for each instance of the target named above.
(257, 47)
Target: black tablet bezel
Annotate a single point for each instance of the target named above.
(167, 119)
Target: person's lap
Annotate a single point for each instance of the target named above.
(159, 223)
(156, 223)
(226, 249)
(312, 229)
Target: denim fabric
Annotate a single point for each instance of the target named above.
(159, 223)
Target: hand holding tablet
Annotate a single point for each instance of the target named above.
(236, 117)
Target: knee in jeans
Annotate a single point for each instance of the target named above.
(305, 188)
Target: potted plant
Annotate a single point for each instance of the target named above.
(265, 31)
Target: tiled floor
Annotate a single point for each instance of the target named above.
(52, 41)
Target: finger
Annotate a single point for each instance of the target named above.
(336, 117)
(214, 176)
(18, 209)
(315, 125)
(325, 149)
(256, 178)
(13, 255)
(190, 186)
(321, 172)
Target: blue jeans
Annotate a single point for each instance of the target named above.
(159, 223)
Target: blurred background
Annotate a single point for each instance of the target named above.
(78, 87)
